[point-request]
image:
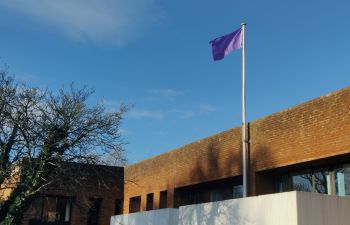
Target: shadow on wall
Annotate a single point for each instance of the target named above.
(215, 163)
(277, 209)
(261, 182)
(210, 165)
(212, 213)
(154, 217)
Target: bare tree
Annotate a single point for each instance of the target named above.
(41, 132)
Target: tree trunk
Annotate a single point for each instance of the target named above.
(15, 207)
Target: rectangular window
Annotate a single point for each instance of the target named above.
(212, 191)
(135, 204)
(149, 202)
(324, 181)
(217, 195)
(237, 191)
(342, 180)
(94, 211)
(118, 209)
(35, 209)
(163, 199)
(202, 196)
(302, 182)
(56, 209)
(283, 184)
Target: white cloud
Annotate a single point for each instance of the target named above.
(175, 113)
(100, 21)
(140, 114)
(167, 93)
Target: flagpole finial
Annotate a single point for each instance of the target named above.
(243, 24)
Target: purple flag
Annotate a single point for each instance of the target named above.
(222, 46)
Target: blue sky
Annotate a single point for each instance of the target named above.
(155, 55)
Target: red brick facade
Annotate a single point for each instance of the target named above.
(314, 133)
(103, 183)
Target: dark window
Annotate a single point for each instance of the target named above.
(237, 191)
(94, 211)
(50, 209)
(283, 184)
(149, 203)
(324, 181)
(215, 194)
(212, 191)
(35, 209)
(118, 207)
(135, 204)
(302, 182)
(163, 199)
(321, 182)
(56, 209)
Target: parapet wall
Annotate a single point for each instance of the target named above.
(289, 208)
(317, 129)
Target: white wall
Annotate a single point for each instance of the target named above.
(154, 217)
(289, 208)
(276, 209)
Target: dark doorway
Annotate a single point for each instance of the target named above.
(118, 207)
(94, 211)
(163, 199)
(149, 203)
(135, 204)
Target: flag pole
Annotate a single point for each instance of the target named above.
(244, 141)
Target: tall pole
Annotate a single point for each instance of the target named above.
(244, 141)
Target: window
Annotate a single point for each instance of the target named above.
(284, 183)
(342, 180)
(163, 199)
(118, 209)
(35, 208)
(56, 209)
(332, 181)
(237, 191)
(322, 182)
(94, 211)
(302, 182)
(135, 204)
(51, 209)
(149, 203)
(211, 191)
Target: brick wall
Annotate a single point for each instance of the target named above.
(314, 130)
(102, 182)
(317, 129)
(208, 159)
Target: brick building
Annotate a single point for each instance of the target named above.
(92, 203)
(306, 148)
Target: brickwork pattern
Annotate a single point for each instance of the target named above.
(108, 187)
(314, 130)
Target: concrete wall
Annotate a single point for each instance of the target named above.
(315, 130)
(154, 217)
(315, 209)
(289, 208)
(275, 209)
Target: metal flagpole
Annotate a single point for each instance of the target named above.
(244, 141)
